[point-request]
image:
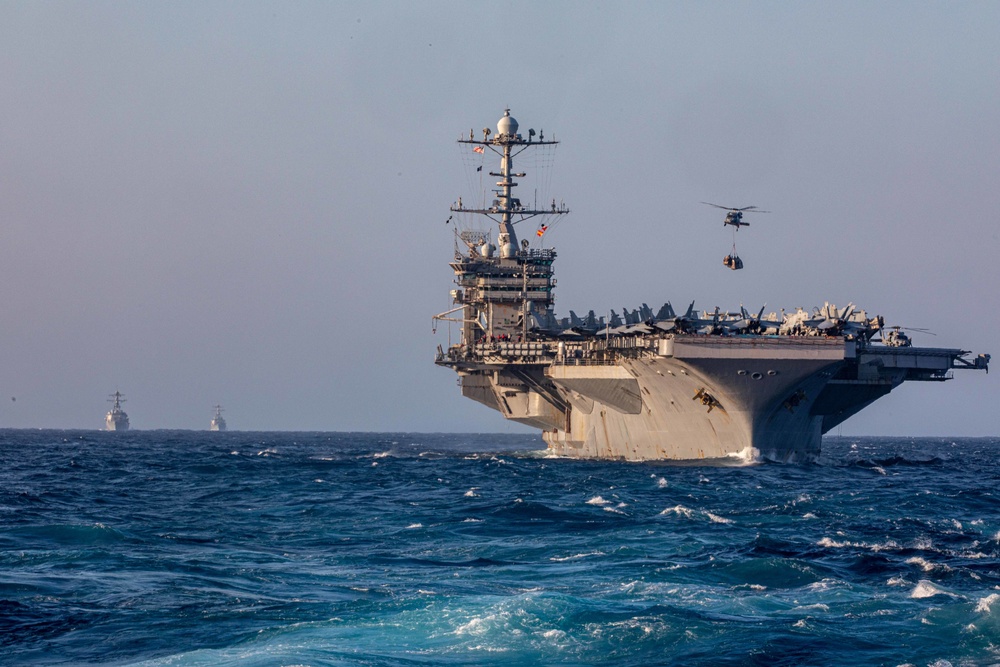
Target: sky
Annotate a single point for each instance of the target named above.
(243, 203)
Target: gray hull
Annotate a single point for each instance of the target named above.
(654, 407)
(695, 397)
(116, 422)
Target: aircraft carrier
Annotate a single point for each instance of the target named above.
(651, 385)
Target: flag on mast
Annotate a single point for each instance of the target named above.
(542, 229)
(477, 149)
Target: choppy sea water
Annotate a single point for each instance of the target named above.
(186, 548)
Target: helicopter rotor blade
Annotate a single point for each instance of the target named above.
(745, 209)
(898, 327)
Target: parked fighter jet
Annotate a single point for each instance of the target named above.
(831, 321)
(689, 322)
(747, 323)
(667, 320)
(589, 325)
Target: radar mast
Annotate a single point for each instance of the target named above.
(503, 292)
(507, 143)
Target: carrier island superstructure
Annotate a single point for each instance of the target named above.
(656, 385)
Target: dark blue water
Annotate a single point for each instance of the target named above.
(187, 548)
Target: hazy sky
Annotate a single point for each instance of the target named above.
(243, 203)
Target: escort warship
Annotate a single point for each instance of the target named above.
(116, 419)
(655, 385)
(218, 421)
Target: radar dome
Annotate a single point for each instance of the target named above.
(508, 250)
(507, 124)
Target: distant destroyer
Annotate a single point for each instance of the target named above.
(116, 419)
(655, 384)
(218, 422)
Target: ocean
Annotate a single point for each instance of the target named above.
(187, 548)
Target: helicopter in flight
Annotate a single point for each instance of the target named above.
(734, 216)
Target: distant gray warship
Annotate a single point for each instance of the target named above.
(656, 385)
(218, 422)
(116, 419)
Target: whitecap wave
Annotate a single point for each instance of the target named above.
(926, 565)
(597, 500)
(890, 545)
(679, 510)
(927, 589)
(563, 559)
(822, 585)
(835, 544)
(688, 513)
(475, 626)
(984, 606)
(751, 587)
